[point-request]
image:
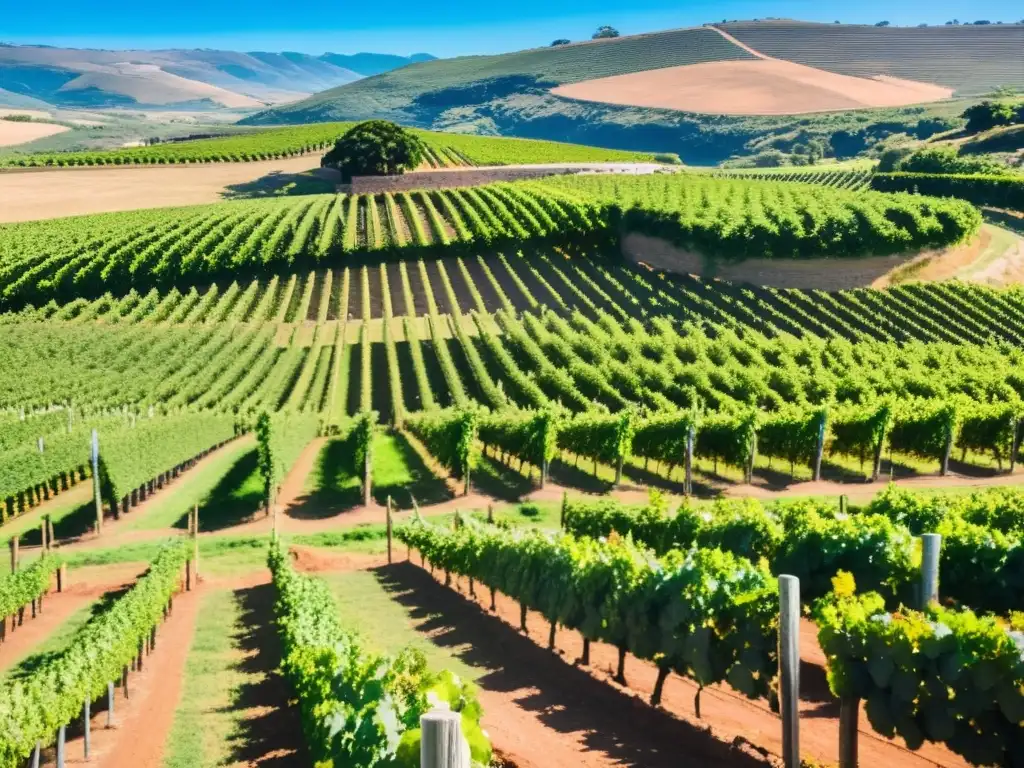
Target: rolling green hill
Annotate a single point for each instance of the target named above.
(510, 94)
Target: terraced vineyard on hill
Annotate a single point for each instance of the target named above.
(972, 59)
(840, 179)
(442, 150)
(86, 257)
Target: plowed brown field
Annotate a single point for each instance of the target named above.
(759, 87)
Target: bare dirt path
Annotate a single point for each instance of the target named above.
(738, 44)
(542, 712)
(143, 720)
(458, 621)
(84, 587)
(64, 192)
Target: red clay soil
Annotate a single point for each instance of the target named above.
(727, 717)
(58, 607)
(143, 720)
(312, 560)
(542, 712)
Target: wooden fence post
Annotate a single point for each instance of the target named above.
(820, 451)
(1017, 426)
(195, 542)
(944, 466)
(441, 741)
(691, 435)
(931, 545)
(368, 480)
(789, 668)
(95, 456)
(849, 714)
(389, 530)
(86, 728)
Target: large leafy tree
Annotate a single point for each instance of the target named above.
(374, 148)
(605, 32)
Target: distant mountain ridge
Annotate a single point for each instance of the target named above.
(177, 78)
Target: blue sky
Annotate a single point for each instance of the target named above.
(441, 27)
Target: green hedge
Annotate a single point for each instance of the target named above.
(997, 191)
(359, 708)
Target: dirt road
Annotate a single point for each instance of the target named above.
(71, 192)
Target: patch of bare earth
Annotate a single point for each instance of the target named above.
(83, 587)
(13, 133)
(71, 192)
(590, 711)
(143, 719)
(751, 87)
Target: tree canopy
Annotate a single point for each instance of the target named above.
(561, 41)
(374, 148)
(605, 31)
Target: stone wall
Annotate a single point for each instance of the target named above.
(446, 178)
(826, 273)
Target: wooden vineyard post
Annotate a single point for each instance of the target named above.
(465, 489)
(95, 457)
(544, 464)
(789, 668)
(849, 714)
(618, 469)
(60, 746)
(110, 705)
(195, 542)
(14, 554)
(691, 436)
(876, 471)
(368, 480)
(441, 743)
(490, 514)
(820, 452)
(272, 504)
(86, 728)
(931, 545)
(389, 530)
(750, 458)
(62, 576)
(49, 532)
(35, 755)
(1017, 426)
(944, 467)
(565, 503)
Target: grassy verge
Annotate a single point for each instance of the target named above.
(365, 604)
(206, 725)
(398, 472)
(213, 486)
